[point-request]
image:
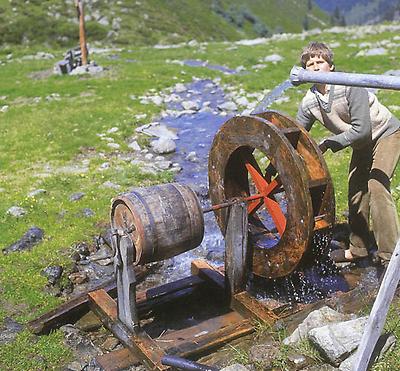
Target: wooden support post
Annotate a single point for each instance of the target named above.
(236, 261)
(378, 313)
(82, 32)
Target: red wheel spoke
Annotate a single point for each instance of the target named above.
(253, 206)
(276, 213)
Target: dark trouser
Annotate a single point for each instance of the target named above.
(370, 172)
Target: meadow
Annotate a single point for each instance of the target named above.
(54, 124)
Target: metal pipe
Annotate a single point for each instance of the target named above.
(299, 75)
(233, 202)
(185, 364)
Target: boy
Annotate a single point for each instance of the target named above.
(357, 119)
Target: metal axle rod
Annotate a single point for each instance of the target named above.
(299, 75)
(233, 202)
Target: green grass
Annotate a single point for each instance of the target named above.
(36, 137)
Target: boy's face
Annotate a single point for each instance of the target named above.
(317, 63)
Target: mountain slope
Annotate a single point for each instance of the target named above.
(363, 11)
(154, 21)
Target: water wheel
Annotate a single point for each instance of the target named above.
(271, 157)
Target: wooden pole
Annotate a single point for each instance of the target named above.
(379, 312)
(82, 33)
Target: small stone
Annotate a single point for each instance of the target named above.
(16, 211)
(338, 340)
(78, 278)
(263, 354)
(134, 145)
(83, 249)
(298, 360)
(163, 165)
(37, 192)
(148, 156)
(32, 237)
(113, 145)
(87, 212)
(180, 88)
(192, 157)
(108, 184)
(53, 273)
(110, 343)
(112, 130)
(104, 166)
(274, 58)
(190, 105)
(76, 196)
(4, 108)
(163, 145)
(228, 106)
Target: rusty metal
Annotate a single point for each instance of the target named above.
(162, 221)
(299, 75)
(294, 182)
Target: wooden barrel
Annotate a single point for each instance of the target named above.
(163, 220)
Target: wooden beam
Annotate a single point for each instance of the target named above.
(248, 306)
(379, 312)
(236, 254)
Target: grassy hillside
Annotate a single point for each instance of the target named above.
(153, 21)
(51, 138)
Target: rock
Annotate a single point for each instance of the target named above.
(242, 101)
(163, 145)
(16, 211)
(134, 145)
(227, 106)
(84, 349)
(180, 88)
(103, 253)
(163, 165)
(371, 52)
(112, 130)
(316, 318)
(53, 273)
(37, 192)
(235, 367)
(88, 322)
(110, 343)
(263, 354)
(274, 58)
(336, 341)
(347, 364)
(192, 157)
(104, 166)
(297, 360)
(149, 156)
(4, 108)
(392, 73)
(82, 249)
(190, 105)
(108, 184)
(78, 278)
(76, 196)
(158, 130)
(9, 330)
(32, 237)
(113, 145)
(87, 212)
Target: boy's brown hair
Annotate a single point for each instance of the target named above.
(316, 49)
